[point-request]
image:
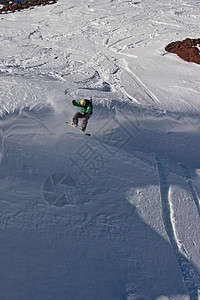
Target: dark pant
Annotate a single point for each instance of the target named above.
(85, 118)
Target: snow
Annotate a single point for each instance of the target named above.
(115, 215)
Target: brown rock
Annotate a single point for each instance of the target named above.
(12, 6)
(186, 49)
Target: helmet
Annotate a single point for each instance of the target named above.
(83, 102)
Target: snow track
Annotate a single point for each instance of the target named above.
(190, 274)
(189, 181)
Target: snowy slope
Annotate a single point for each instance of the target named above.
(115, 215)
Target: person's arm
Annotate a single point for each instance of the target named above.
(75, 103)
(89, 109)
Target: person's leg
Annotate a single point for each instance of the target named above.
(76, 117)
(84, 123)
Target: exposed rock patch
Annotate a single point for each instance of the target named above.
(188, 49)
(12, 6)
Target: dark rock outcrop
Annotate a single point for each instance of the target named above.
(188, 49)
(11, 6)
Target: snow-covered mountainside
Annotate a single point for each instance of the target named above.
(115, 215)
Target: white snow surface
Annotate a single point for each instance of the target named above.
(115, 215)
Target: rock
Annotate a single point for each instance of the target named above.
(12, 6)
(186, 49)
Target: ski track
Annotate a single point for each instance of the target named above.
(142, 87)
(189, 182)
(191, 279)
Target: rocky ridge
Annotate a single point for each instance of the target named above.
(12, 6)
(188, 49)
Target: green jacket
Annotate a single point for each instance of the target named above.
(85, 109)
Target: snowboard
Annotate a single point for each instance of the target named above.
(70, 124)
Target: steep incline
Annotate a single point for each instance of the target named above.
(115, 215)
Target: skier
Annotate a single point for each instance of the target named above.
(85, 114)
